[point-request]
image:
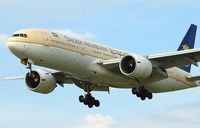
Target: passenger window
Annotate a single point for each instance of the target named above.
(25, 35)
(22, 35)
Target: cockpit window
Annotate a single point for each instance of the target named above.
(20, 35)
(15, 35)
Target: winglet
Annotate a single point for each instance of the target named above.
(188, 42)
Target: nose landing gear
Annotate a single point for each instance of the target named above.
(142, 93)
(28, 63)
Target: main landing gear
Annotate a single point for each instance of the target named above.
(142, 93)
(89, 100)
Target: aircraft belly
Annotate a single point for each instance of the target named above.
(81, 66)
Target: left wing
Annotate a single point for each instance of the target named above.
(175, 59)
(164, 60)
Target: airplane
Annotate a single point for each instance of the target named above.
(95, 67)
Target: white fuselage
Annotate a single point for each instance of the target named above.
(83, 67)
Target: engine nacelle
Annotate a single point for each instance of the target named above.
(135, 66)
(40, 81)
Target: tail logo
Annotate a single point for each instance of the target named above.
(185, 47)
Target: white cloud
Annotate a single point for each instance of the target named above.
(3, 39)
(69, 32)
(98, 121)
(22, 117)
(89, 121)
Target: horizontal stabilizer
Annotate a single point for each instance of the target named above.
(193, 78)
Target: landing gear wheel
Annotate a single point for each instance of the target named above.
(97, 103)
(137, 94)
(90, 105)
(142, 92)
(143, 97)
(85, 102)
(81, 98)
(134, 91)
(92, 99)
(89, 100)
(149, 96)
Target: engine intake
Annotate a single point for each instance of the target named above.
(40, 81)
(135, 66)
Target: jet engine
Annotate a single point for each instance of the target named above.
(40, 81)
(135, 66)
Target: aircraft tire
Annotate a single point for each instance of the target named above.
(90, 105)
(150, 96)
(138, 94)
(143, 97)
(85, 103)
(97, 103)
(81, 98)
(134, 91)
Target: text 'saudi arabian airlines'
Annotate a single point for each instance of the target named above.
(95, 67)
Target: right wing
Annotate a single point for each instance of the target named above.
(66, 78)
(14, 78)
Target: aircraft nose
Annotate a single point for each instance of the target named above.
(17, 48)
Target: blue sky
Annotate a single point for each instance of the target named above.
(139, 26)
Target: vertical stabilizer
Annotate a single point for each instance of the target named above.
(188, 43)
